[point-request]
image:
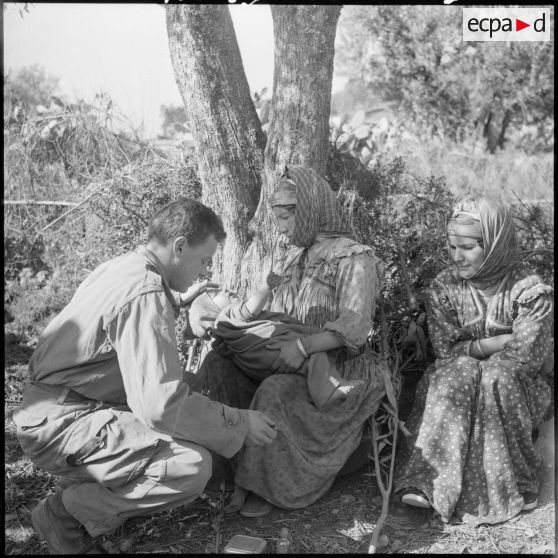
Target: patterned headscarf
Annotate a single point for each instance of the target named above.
(476, 216)
(317, 208)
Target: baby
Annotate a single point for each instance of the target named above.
(242, 329)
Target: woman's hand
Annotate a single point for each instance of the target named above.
(196, 290)
(503, 339)
(290, 357)
(489, 345)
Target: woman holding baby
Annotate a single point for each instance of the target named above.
(330, 282)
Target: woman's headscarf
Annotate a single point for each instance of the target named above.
(476, 216)
(317, 209)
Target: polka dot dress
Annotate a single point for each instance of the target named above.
(470, 449)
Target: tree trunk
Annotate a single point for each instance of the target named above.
(299, 114)
(226, 131)
(503, 128)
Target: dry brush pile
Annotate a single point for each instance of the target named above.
(76, 193)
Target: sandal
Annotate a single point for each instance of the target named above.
(255, 506)
(416, 498)
(530, 501)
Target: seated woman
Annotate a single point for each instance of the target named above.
(471, 453)
(330, 282)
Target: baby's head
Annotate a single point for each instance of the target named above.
(204, 311)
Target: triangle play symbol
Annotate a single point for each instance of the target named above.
(519, 25)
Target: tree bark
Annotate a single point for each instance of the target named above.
(299, 115)
(303, 72)
(226, 131)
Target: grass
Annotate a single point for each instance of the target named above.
(507, 173)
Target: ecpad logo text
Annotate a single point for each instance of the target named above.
(506, 24)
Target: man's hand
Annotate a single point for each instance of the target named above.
(196, 290)
(290, 358)
(261, 429)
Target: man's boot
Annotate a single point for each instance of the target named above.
(63, 533)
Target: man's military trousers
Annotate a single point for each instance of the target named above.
(112, 465)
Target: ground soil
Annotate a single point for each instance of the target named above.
(341, 522)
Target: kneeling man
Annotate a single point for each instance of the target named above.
(106, 407)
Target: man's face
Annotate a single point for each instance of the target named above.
(190, 263)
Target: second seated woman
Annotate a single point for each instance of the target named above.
(490, 318)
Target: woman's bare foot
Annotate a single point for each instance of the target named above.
(237, 499)
(344, 388)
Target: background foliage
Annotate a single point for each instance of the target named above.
(28, 88)
(414, 56)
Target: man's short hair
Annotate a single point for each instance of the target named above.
(185, 217)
